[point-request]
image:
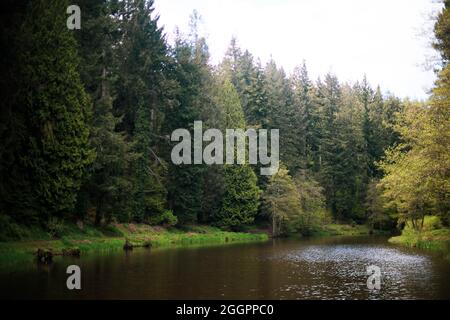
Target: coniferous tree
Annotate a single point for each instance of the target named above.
(141, 101)
(193, 76)
(15, 187)
(240, 198)
(307, 118)
(108, 182)
(54, 153)
(282, 114)
(329, 95)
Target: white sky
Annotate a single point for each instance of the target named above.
(386, 39)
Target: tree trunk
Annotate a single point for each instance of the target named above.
(99, 213)
(274, 226)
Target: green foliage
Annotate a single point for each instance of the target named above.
(113, 237)
(166, 219)
(248, 79)
(87, 117)
(52, 154)
(307, 119)
(281, 203)
(442, 33)
(240, 197)
(334, 229)
(378, 216)
(417, 171)
(312, 203)
(108, 183)
(433, 236)
(240, 200)
(192, 93)
(10, 229)
(55, 227)
(141, 100)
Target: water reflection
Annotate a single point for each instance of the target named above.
(326, 268)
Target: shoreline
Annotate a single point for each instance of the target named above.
(122, 236)
(76, 240)
(432, 237)
(82, 239)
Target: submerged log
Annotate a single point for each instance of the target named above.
(74, 252)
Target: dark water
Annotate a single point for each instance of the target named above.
(326, 268)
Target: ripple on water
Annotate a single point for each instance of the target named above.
(340, 272)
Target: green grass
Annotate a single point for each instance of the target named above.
(89, 238)
(432, 237)
(192, 236)
(335, 229)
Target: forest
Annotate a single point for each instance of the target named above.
(87, 116)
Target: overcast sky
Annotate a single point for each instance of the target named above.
(384, 38)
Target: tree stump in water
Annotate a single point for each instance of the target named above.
(44, 255)
(127, 245)
(147, 244)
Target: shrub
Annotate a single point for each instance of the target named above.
(167, 219)
(11, 230)
(55, 227)
(112, 231)
(432, 223)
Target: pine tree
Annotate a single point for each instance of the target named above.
(15, 187)
(193, 77)
(108, 183)
(306, 117)
(282, 114)
(329, 96)
(141, 101)
(55, 150)
(248, 79)
(240, 198)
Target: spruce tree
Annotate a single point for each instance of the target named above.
(241, 194)
(56, 153)
(192, 95)
(141, 102)
(107, 185)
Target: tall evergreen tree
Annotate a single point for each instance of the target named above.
(54, 153)
(14, 184)
(141, 100)
(329, 96)
(307, 118)
(282, 114)
(193, 76)
(241, 193)
(108, 183)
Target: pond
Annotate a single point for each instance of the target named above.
(319, 268)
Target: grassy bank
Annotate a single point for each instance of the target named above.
(432, 237)
(335, 229)
(87, 238)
